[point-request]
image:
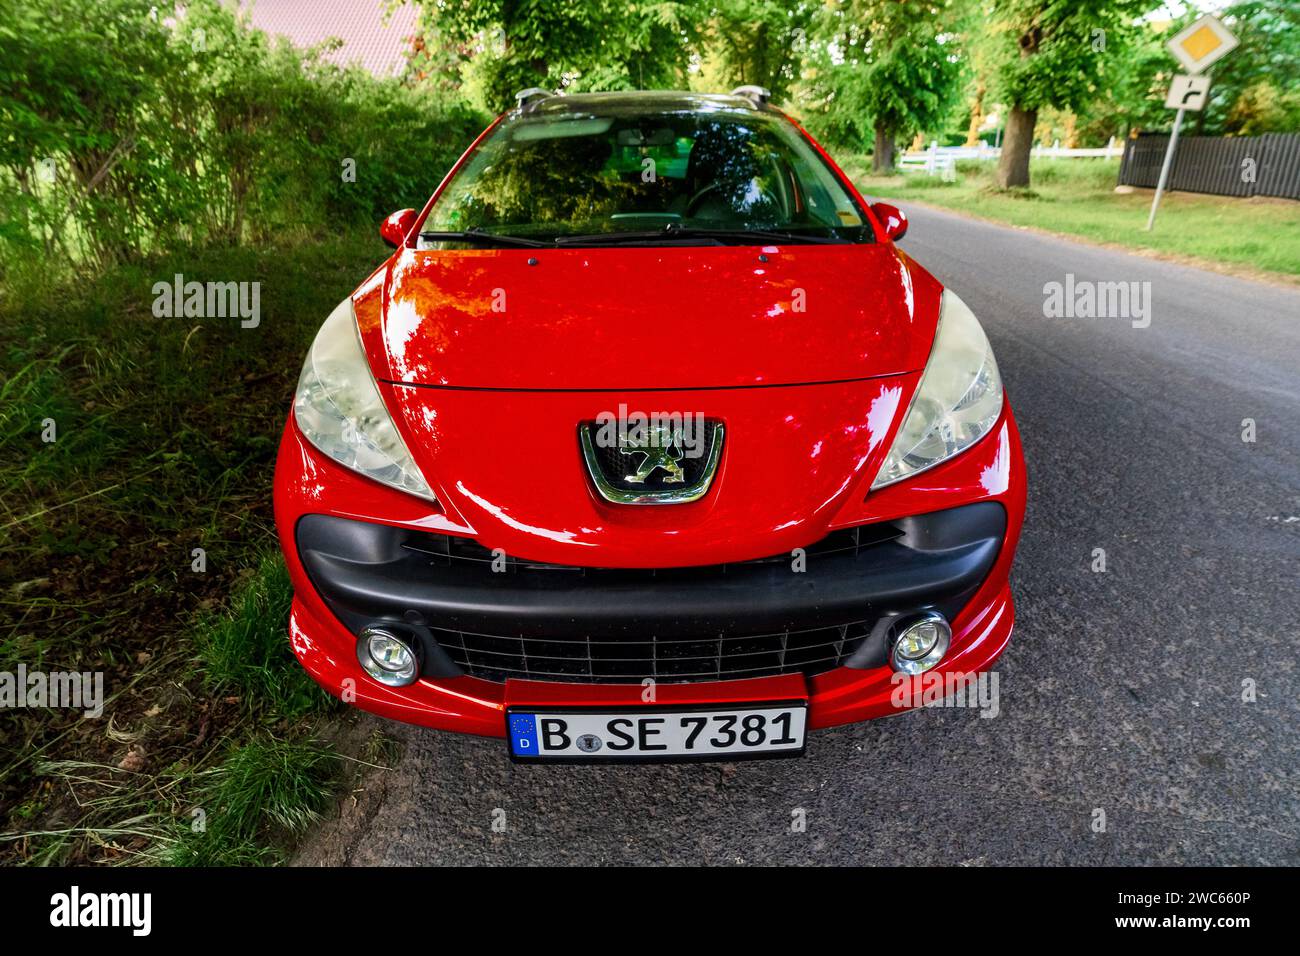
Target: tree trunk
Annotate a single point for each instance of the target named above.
(1013, 166)
(882, 156)
(976, 115)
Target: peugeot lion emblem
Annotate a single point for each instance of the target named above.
(663, 450)
(655, 465)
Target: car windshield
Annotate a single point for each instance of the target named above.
(646, 177)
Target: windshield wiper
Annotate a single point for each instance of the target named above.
(677, 231)
(485, 238)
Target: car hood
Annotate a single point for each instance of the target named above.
(647, 318)
(509, 467)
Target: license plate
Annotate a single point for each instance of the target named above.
(758, 730)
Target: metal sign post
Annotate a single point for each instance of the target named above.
(1164, 168)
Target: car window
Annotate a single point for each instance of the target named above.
(576, 174)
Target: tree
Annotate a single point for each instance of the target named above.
(891, 63)
(912, 81)
(1052, 53)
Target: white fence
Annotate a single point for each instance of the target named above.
(942, 160)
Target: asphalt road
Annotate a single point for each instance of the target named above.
(1121, 691)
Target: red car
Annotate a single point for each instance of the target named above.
(647, 442)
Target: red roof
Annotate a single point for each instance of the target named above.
(375, 41)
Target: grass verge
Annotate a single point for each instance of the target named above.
(127, 442)
(265, 787)
(1077, 197)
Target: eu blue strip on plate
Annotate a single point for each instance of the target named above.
(523, 734)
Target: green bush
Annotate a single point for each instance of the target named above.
(127, 133)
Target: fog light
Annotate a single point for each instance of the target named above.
(388, 657)
(920, 643)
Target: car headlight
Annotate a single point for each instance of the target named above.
(340, 411)
(958, 401)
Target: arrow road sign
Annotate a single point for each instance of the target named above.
(1200, 44)
(1188, 92)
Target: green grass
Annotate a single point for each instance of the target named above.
(265, 787)
(244, 810)
(166, 439)
(261, 794)
(1077, 197)
(244, 651)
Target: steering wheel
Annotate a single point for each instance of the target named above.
(695, 200)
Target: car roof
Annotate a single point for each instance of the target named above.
(636, 101)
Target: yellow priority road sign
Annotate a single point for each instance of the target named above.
(1202, 43)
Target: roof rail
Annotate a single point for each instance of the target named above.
(758, 95)
(530, 96)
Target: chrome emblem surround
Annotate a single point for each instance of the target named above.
(663, 452)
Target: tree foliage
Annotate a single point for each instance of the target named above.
(756, 42)
(511, 45)
(124, 130)
(1058, 52)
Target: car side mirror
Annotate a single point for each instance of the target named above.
(892, 218)
(395, 227)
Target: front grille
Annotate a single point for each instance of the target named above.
(670, 659)
(445, 551)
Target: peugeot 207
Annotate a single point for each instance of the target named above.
(647, 442)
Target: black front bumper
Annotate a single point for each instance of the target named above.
(499, 618)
